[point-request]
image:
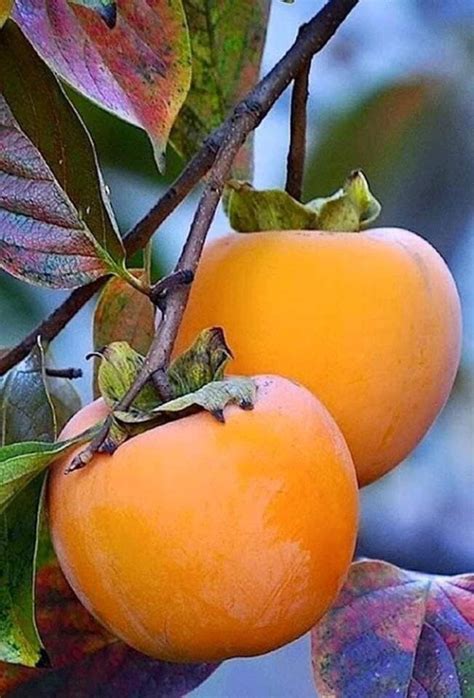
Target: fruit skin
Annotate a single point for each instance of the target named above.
(199, 541)
(370, 322)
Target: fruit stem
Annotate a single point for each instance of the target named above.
(298, 118)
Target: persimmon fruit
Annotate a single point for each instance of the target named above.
(370, 322)
(199, 541)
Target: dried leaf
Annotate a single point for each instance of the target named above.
(350, 209)
(140, 70)
(123, 314)
(250, 210)
(56, 226)
(393, 632)
(227, 40)
(202, 363)
(118, 370)
(213, 397)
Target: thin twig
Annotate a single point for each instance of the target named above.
(297, 150)
(49, 328)
(164, 285)
(69, 373)
(312, 37)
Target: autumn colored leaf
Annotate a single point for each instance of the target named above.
(116, 670)
(227, 40)
(123, 314)
(140, 70)
(5, 9)
(107, 9)
(393, 632)
(56, 227)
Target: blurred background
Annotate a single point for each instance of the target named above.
(393, 93)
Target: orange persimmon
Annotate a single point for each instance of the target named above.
(198, 541)
(370, 322)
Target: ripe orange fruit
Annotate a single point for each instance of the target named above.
(199, 541)
(370, 322)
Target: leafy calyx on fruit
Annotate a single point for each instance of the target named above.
(351, 209)
(196, 379)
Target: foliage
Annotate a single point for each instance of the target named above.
(144, 83)
(56, 227)
(396, 632)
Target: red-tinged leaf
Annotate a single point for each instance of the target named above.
(114, 671)
(393, 632)
(140, 70)
(107, 9)
(227, 40)
(123, 314)
(56, 227)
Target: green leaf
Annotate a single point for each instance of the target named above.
(19, 639)
(213, 398)
(123, 314)
(202, 363)
(348, 210)
(26, 412)
(5, 9)
(56, 225)
(107, 9)
(21, 462)
(227, 40)
(118, 370)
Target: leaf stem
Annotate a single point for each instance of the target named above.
(298, 118)
(246, 116)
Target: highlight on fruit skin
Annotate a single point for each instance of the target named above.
(370, 322)
(201, 541)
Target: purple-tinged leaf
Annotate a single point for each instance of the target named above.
(140, 70)
(227, 40)
(397, 633)
(56, 227)
(116, 670)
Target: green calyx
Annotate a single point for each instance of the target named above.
(351, 209)
(196, 380)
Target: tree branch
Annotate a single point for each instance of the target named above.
(297, 150)
(312, 37)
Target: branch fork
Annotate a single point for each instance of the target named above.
(216, 158)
